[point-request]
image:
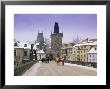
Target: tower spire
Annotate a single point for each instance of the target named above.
(56, 28)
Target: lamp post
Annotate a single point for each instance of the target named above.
(66, 55)
(31, 52)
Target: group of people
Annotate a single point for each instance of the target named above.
(60, 60)
(45, 60)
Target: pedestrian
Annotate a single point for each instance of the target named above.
(43, 60)
(62, 60)
(57, 60)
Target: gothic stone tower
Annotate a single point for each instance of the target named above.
(40, 40)
(56, 41)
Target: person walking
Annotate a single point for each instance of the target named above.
(62, 60)
(57, 61)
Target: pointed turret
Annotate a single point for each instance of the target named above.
(56, 28)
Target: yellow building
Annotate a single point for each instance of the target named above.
(73, 54)
(82, 49)
(79, 51)
(64, 50)
(67, 50)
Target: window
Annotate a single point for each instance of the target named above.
(84, 46)
(14, 52)
(25, 53)
(25, 45)
(78, 48)
(93, 60)
(95, 48)
(84, 55)
(90, 55)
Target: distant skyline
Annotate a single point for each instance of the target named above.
(26, 26)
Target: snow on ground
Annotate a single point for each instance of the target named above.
(80, 66)
(33, 70)
(51, 69)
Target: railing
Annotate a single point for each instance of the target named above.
(92, 64)
(19, 70)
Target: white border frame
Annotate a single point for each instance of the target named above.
(100, 10)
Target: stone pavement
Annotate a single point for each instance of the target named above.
(51, 69)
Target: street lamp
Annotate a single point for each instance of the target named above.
(31, 52)
(66, 54)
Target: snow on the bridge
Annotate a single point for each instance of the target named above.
(80, 66)
(51, 69)
(33, 70)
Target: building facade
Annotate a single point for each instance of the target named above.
(67, 50)
(92, 54)
(40, 54)
(82, 49)
(18, 55)
(22, 52)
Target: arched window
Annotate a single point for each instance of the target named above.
(15, 44)
(25, 45)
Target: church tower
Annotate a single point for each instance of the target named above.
(40, 40)
(56, 41)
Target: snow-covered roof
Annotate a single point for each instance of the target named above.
(20, 45)
(87, 43)
(40, 51)
(34, 47)
(88, 40)
(93, 50)
(37, 43)
(73, 46)
(44, 43)
(28, 47)
(24, 45)
(50, 47)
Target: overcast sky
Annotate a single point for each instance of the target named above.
(72, 25)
